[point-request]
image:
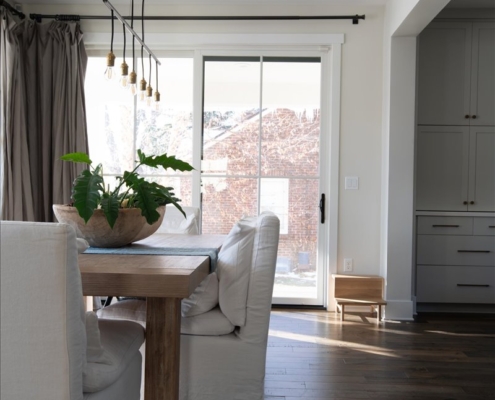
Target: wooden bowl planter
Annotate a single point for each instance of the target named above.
(129, 227)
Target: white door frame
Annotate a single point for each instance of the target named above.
(330, 132)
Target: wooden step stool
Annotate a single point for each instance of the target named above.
(359, 290)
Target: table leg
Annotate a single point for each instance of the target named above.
(162, 363)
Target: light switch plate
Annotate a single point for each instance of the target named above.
(351, 183)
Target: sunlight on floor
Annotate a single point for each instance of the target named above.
(462, 334)
(332, 342)
(323, 317)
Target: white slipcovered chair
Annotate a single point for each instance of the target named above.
(174, 221)
(225, 321)
(51, 349)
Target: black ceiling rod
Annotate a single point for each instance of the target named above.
(13, 10)
(355, 18)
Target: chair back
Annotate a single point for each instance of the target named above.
(260, 291)
(174, 221)
(43, 336)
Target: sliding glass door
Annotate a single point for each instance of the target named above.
(261, 151)
(260, 145)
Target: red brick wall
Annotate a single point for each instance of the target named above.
(290, 149)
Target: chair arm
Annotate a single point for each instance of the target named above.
(120, 341)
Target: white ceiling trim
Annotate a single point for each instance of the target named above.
(164, 41)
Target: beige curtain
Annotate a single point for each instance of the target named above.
(43, 115)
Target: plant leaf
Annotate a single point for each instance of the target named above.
(110, 206)
(164, 196)
(175, 201)
(164, 161)
(77, 157)
(141, 156)
(86, 193)
(145, 200)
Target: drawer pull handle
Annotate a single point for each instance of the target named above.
(473, 251)
(471, 285)
(491, 226)
(445, 226)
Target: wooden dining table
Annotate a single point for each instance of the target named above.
(164, 280)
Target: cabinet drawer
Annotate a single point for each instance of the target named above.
(456, 250)
(455, 284)
(445, 225)
(484, 226)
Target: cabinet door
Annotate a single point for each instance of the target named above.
(482, 169)
(483, 74)
(455, 284)
(444, 68)
(442, 168)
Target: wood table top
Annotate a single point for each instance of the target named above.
(149, 275)
(141, 275)
(181, 241)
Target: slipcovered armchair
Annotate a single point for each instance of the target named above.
(174, 221)
(225, 321)
(51, 349)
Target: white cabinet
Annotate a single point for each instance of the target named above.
(455, 260)
(455, 163)
(481, 194)
(456, 74)
(455, 168)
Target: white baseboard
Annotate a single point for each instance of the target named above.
(399, 310)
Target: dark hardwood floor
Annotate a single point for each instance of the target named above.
(313, 355)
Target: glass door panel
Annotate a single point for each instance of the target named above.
(261, 151)
(290, 148)
(225, 200)
(231, 117)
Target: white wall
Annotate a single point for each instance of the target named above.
(404, 20)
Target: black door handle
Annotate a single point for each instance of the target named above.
(322, 208)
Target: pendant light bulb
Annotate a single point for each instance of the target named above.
(124, 79)
(132, 83)
(149, 95)
(142, 90)
(157, 100)
(109, 72)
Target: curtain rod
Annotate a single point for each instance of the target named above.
(64, 17)
(13, 10)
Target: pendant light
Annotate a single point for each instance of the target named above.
(129, 80)
(124, 69)
(142, 82)
(109, 72)
(157, 93)
(149, 89)
(133, 75)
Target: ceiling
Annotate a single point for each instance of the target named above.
(212, 2)
(452, 4)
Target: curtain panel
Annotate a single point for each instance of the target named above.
(43, 67)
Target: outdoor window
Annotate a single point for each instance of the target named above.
(119, 124)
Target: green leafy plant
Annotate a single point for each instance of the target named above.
(89, 192)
